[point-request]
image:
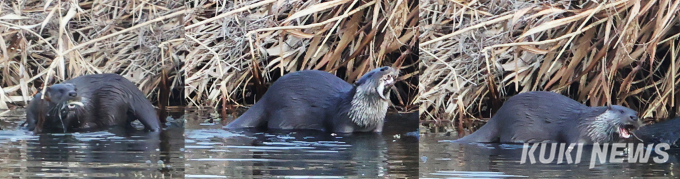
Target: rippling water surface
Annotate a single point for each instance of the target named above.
(453, 160)
(212, 152)
(112, 153)
(204, 150)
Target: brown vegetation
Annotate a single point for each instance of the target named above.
(46, 42)
(477, 53)
(238, 47)
(211, 49)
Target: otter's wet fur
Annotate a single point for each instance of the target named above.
(54, 106)
(541, 116)
(318, 100)
(103, 101)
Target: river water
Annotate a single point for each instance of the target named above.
(212, 152)
(200, 149)
(107, 154)
(440, 158)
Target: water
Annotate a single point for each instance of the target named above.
(440, 159)
(212, 152)
(205, 150)
(106, 154)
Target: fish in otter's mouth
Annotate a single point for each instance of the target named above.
(387, 82)
(625, 130)
(73, 104)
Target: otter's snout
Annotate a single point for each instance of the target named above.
(72, 94)
(633, 123)
(634, 118)
(387, 80)
(390, 76)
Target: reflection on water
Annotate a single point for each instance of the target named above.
(212, 152)
(445, 159)
(112, 153)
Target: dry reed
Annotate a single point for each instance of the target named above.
(46, 42)
(239, 45)
(477, 53)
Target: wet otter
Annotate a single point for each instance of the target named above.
(318, 100)
(55, 104)
(95, 102)
(541, 116)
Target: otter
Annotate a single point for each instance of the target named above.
(318, 100)
(541, 116)
(56, 103)
(94, 102)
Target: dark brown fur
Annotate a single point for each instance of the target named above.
(318, 100)
(52, 107)
(541, 116)
(107, 100)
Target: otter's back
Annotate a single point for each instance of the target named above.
(118, 98)
(545, 113)
(303, 99)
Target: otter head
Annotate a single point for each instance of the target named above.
(371, 97)
(62, 100)
(378, 82)
(614, 124)
(60, 93)
(625, 120)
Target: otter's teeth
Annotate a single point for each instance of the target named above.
(623, 133)
(389, 81)
(381, 90)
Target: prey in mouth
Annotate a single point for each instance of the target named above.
(623, 121)
(387, 82)
(626, 130)
(74, 103)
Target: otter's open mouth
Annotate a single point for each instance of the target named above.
(383, 90)
(626, 130)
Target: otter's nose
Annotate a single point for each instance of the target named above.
(72, 94)
(634, 118)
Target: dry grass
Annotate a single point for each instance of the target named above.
(215, 50)
(239, 45)
(46, 42)
(477, 53)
